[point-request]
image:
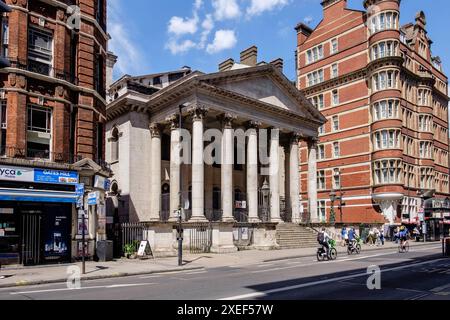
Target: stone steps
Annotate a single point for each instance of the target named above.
(292, 236)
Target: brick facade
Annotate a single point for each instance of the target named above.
(73, 89)
(387, 111)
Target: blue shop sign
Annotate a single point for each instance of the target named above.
(55, 176)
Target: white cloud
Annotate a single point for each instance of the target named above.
(258, 7)
(226, 9)
(198, 4)
(223, 40)
(207, 26)
(180, 26)
(180, 47)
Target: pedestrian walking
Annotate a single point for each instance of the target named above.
(344, 236)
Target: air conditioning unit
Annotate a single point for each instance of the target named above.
(41, 101)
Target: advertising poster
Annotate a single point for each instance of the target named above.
(80, 227)
(57, 234)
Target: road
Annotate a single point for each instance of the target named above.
(421, 274)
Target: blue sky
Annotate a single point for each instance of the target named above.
(162, 35)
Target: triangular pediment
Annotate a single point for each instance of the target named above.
(267, 85)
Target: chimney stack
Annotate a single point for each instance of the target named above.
(226, 65)
(279, 64)
(111, 60)
(249, 57)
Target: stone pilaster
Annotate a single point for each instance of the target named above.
(155, 177)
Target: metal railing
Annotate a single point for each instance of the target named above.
(132, 234)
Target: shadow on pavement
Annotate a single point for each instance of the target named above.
(355, 288)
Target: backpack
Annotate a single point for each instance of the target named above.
(320, 237)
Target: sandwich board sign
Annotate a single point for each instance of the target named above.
(144, 249)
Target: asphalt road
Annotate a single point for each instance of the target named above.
(421, 274)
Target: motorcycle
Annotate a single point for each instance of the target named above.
(354, 247)
(322, 252)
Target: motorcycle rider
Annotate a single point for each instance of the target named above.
(323, 238)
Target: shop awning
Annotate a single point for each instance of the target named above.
(37, 196)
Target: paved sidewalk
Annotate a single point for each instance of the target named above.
(22, 276)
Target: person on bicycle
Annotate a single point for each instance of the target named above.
(323, 238)
(403, 235)
(352, 237)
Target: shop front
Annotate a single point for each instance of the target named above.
(36, 210)
(436, 218)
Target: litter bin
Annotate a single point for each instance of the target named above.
(105, 251)
(446, 247)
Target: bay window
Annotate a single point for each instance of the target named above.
(387, 171)
(383, 21)
(387, 139)
(386, 109)
(385, 80)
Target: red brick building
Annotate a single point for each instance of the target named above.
(53, 110)
(385, 97)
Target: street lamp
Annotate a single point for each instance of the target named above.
(265, 193)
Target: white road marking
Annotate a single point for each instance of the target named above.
(149, 277)
(315, 283)
(440, 289)
(84, 288)
(200, 272)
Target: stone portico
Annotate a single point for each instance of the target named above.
(235, 159)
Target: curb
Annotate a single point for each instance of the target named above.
(367, 250)
(24, 283)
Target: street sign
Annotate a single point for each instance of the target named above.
(93, 198)
(80, 195)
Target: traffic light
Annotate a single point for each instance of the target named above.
(4, 62)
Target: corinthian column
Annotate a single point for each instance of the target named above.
(175, 166)
(252, 172)
(155, 178)
(227, 167)
(312, 179)
(198, 168)
(294, 178)
(275, 176)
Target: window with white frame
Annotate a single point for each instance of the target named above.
(322, 211)
(321, 180)
(336, 150)
(40, 51)
(4, 126)
(4, 36)
(317, 101)
(426, 178)
(426, 149)
(425, 123)
(334, 70)
(387, 172)
(386, 109)
(385, 80)
(314, 54)
(336, 123)
(39, 135)
(322, 129)
(387, 139)
(336, 179)
(335, 97)
(321, 152)
(383, 21)
(384, 49)
(334, 46)
(315, 77)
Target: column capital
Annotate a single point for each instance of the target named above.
(227, 120)
(198, 112)
(296, 137)
(155, 130)
(313, 141)
(253, 124)
(174, 121)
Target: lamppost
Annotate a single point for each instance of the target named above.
(265, 193)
